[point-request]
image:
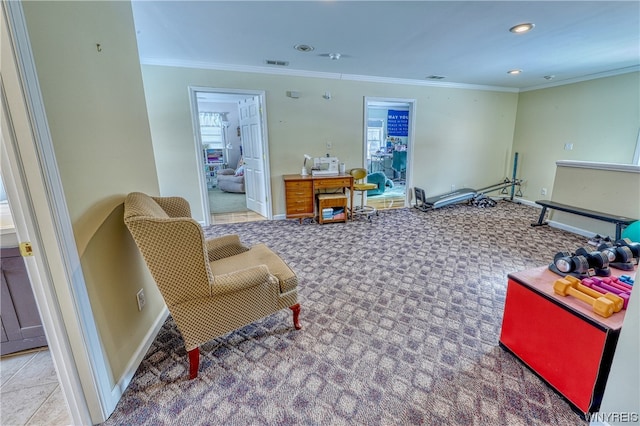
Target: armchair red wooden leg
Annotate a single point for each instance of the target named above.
(296, 316)
(194, 363)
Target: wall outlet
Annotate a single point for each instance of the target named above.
(329, 145)
(568, 146)
(141, 299)
(543, 191)
(453, 188)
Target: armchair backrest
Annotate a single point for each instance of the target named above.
(172, 245)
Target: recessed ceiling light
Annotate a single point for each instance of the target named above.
(334, 56)
(514, 72)
(549, 77)
(303, 47)
(435, 77)
(522, 28)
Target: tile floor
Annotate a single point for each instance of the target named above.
(247, 216)
(30, 393)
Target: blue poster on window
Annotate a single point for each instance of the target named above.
(398, 123)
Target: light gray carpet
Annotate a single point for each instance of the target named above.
(226, 202)
(401, 319)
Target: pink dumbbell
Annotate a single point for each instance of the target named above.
(619, 283)
(603, 288)
(611, 283)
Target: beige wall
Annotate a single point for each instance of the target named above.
(96, 112)
(462, 136)
(600, 117)
(611, 191)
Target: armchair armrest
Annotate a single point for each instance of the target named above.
(242, 279)
(225, 246)
(174, 206)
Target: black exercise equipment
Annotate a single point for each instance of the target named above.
(461, 195)
(476, 197)
(620, 221)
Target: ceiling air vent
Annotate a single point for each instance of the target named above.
(435, 77)
(279, 63)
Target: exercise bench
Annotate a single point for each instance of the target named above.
(620, 221)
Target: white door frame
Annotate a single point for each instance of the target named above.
(195, 120)
(410, 138)
(35, 194)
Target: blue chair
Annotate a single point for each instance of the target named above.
(381, 180)
(399, 165)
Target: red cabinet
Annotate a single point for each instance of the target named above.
(559, 338)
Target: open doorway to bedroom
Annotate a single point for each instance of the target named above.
(387, 150)
(230, 140)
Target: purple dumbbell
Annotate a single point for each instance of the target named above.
(603, 288)
(614, 282)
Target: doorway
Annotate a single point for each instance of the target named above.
(231, 145)
(387, 149)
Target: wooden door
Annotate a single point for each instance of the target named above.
(21, 325)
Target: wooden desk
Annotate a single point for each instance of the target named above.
(300, 191)
(560, 338)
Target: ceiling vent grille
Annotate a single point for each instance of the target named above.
(435, 77)
(278, 63)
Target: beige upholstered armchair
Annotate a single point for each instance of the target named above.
(213, 286)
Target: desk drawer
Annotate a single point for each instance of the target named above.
(298, 186)
(299, 197)
(332, 182)
(299, 206)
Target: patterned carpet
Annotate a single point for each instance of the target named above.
(401, 319)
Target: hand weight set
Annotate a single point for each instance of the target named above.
(581, 264)
(623, 254)
(606, 296)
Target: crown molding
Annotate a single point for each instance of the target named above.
(316, 74)
(588, 77)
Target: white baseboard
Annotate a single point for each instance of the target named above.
(558, 225)
(528, 203)
(571, 229)
(145, 344)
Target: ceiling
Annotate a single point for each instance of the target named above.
(466, 42)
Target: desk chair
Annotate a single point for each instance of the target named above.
(399, 165)
(360, 185)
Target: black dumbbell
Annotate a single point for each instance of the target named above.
(565, 263)
(620, 257)
(597, 260)
(634, 247)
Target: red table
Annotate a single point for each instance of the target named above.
(560, 338)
